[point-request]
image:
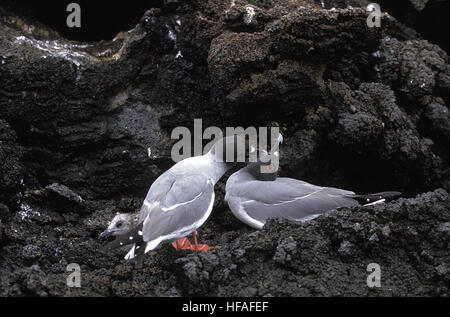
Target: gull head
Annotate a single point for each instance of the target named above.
(266, 167)
(120, 224)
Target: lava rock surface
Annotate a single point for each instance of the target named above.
(85, 128)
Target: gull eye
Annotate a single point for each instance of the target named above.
(119, 224)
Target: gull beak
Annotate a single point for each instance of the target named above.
(104, 234)
(277, 146)
(280, 138)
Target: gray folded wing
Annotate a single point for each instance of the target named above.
(287, 198)
(185, 207)
(158, 189)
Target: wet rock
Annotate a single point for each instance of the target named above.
(244, 17)
(55, 133)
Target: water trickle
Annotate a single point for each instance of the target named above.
(61, 50)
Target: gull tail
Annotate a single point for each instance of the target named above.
(372, 199)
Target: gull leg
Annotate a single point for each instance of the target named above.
(182, 244)
(198, 247)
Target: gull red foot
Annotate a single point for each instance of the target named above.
(182, 244)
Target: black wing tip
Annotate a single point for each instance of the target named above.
(372, 198)
(388, 195)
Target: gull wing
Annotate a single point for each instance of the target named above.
(287, 198)
(184, 208)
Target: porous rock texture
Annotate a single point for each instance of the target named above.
(86, 127)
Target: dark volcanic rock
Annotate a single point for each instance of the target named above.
(58, 197)
(31, 252)
(376, 128)
(413, 68)
(85, 129)
(11, 169)
(327, 256)
(255, 70)
(65, 104)
(436, 123)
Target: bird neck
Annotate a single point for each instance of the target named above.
(216, 168)
(254, 169)
(133, 219)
